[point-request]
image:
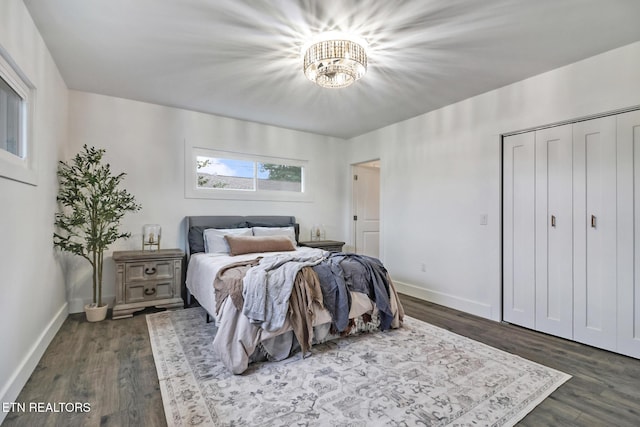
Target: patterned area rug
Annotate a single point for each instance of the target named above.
(416, 375)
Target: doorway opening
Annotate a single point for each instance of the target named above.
(366, 208)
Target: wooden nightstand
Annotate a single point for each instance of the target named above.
(327, 245)
(147, 278)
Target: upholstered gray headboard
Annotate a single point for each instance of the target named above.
(195, 226)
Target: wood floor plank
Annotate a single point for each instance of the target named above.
(110, 365)
(557, 414)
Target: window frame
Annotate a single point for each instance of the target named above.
(193, 191)
(13, 167)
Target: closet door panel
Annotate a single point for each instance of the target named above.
(519, 230)
(628, 138)
(554, 231)
(595, 263)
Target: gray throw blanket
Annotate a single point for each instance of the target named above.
(335, 296)
(341, 273)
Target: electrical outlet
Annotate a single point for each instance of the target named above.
(484, 219)
(423, 267)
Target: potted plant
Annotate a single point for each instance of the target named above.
(91, 207)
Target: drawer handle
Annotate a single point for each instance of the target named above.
(151, 270)
(150, 291)
(593, 221)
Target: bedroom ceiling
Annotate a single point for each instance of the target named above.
(241, 59)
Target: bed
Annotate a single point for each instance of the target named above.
(270, 298)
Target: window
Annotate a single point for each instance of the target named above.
(245, 175)
(225, 174)
(11, 111)
(17, 159)
(221, 174)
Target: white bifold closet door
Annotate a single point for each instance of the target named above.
(519, 229)
(571, 238)
(554, 231)
(628, 137)
(594, 235)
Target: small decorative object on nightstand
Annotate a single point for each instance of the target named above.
(327, 245)
(145, 279)
(151, 237)
(317, 233)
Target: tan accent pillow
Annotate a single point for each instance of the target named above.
(239, 245)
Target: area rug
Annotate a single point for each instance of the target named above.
(416, 375)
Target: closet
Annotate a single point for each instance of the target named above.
(571, 231)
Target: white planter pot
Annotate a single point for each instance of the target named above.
(95, 314)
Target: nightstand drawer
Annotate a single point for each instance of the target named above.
(148, 291)
(158, 270)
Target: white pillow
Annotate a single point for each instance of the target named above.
(276, 231)
(214, 238)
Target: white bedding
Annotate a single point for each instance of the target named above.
(203, 268)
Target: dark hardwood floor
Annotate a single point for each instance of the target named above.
(110, 365)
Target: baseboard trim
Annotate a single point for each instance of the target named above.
(12, 389)
(451, 301)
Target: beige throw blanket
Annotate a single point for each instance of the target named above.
(228, 282)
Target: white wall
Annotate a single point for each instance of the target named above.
(33, 303)
(147, 142)
(442, 170)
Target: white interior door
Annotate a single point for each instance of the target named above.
(595, 279)
(366, 190)
(628, 139)
(554, 231)
(519, 229)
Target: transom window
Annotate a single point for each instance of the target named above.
(221, 174)
(245, 175)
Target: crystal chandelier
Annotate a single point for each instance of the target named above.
(335, 63)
